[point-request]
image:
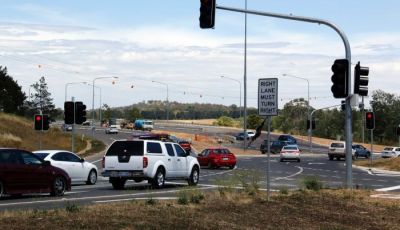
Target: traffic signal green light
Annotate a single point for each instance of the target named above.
(370, 120)
(339, 78)
(80, 112)
(207, 14)
(361, 80)
(69, 112)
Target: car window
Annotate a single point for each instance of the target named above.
(42, 155)
(153, 147)
(10, 156)
(337, 145)
(30, 159)
(290, 148)
(397, 149)
(179, 151)
(59, 156)
(134, 148)
(170, 150)
(388, 148)
(72, 157)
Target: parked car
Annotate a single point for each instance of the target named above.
(151, 160)
(287, 138)
(338, 150)
(217, 157)
(112, 129)
(87, 123)
(361, 151)
(390, 152)
(242, 135)
(77, 168)
(22, 172)
(290, 152)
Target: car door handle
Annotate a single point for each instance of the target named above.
(179, 159)
(169, 159)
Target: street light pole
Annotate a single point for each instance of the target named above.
(93, 84)
(162, 83)
(99, 101)
(308, 105)
(240, 94)
(71, 83)
(245, 78)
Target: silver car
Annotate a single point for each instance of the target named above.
(390, 152)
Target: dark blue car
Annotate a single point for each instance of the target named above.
(361, 151)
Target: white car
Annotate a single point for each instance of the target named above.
(290, 152)
(390, 152)
(113, 129)
(338, 150)
(77, 168)
(151, 160)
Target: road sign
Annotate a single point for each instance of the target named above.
(268, 96)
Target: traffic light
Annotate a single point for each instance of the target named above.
(339, 78)
(398, 131)
(312, 124)
(343, 105)
(45, 119)
(370, 120)
(207, 14)
(69, 112)
(361, 80)
(80, 112)
(38, 121)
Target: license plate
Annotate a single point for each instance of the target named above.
(225, 159)
(120, 174)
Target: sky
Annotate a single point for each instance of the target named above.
(155, 45)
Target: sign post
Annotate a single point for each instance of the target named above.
(268, 106)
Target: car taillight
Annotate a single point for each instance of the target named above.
(145, 162)
(103, 162)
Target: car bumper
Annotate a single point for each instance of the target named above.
(123, 174)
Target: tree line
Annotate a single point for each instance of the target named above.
(292, 117)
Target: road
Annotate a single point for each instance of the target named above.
(284, 175)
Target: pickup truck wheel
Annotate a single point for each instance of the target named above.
(159, 179)
(117, 183)
(194, 176)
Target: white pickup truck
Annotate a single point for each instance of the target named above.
(151, 160)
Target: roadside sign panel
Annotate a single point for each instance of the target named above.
(268, 96)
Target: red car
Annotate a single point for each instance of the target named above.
(217, 157)
(22, 172)
(185, 145)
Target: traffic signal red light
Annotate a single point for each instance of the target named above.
(69, 112)
(370, 120)
(339, 78)
(38, 122)
(207, 14)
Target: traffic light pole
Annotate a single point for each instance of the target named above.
(73, 128)
(348, 116)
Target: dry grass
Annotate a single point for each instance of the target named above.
(340, 209)
(388, 163)
(18, 132)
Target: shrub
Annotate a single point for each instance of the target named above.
(71, 207)
(311, 183)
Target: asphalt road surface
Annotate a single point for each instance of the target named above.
(283, 175)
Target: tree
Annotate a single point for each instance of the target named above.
(41, 99)
(11, 96)
(132, 114)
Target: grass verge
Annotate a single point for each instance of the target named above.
(326, 209)
(392, 164)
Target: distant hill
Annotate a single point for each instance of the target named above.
(18, 132)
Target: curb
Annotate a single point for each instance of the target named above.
(377, 170)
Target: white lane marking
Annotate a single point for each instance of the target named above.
(138, 198)
(97, 197)
(295, 174)
(388, 196)
(316, 163)
(72, 192)
(388, 188)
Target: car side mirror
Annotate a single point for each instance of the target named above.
(82, 160)
(200, 154)
(46, 163)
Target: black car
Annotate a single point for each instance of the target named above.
(275, 147)
(361, 151)
(287, 138)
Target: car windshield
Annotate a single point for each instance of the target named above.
(388, 148)
(221, 151)
(42, 155)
